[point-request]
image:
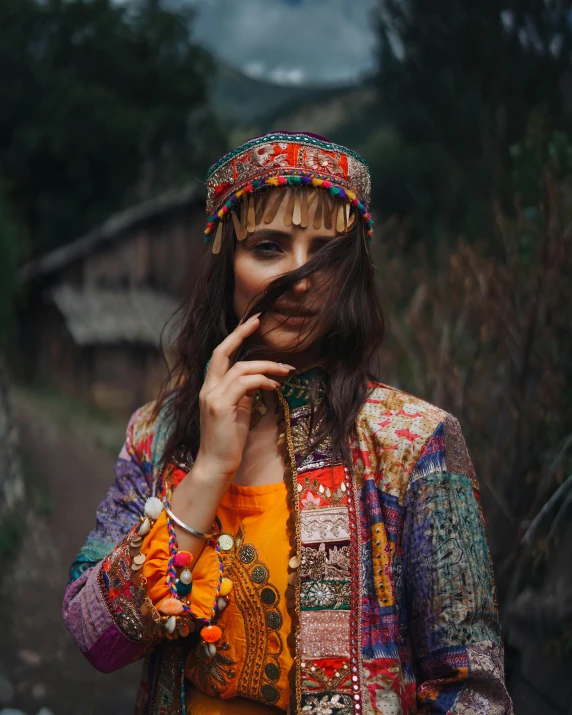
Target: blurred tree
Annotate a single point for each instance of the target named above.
(489, 338)
(102, 105)
(8, 267)
(457, 82)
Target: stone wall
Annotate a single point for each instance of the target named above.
(11, 483)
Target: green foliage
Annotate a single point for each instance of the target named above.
(457, 83)
(12, 530)
(102, 105)
(540, 148)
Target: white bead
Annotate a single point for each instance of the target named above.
(221, 604)
(186, 576)
(153, 508)
(295, 562)
(171, 624)
(210, 650)
(145, 527)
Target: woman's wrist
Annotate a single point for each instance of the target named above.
(196, 499)
(206, 471)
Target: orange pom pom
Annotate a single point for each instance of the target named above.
(171, 607)
(211, 634)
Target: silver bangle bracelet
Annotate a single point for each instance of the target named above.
(186, 528)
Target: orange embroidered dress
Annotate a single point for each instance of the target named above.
(253, 658)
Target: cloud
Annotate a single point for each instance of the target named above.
(279, 75)
(290, 41)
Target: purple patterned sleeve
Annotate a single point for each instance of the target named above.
(101, 604)
(450, 587)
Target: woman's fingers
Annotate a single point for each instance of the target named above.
(249, 367)
(238, 389)
(220, 359)
(253, 367)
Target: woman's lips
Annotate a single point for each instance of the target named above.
(292, 318)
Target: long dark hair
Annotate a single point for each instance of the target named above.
(355, 330)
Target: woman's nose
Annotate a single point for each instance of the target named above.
(301, 287)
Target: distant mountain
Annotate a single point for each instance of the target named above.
(247, 107)
(240, 100)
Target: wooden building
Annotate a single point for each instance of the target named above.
(96, 307)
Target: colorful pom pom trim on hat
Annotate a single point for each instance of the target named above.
(336, 192)
(284, 159)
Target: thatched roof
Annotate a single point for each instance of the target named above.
(105, 317)
(115, 227)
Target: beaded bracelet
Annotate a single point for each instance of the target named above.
(175, 614)
(181, 586)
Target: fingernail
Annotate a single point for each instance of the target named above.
(253, 317)
(290, 367)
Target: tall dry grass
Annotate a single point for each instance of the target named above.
(486, 333)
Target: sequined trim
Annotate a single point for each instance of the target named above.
(333, 675)
(301, 437)
(294, 639)
(328, 524)
(358, 679)
(325, 634)
(327, 704)
(122, 597)
(328, 561)
(325, 594)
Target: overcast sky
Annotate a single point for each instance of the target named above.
(289, 40)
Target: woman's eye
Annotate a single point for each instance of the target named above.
(266, 247)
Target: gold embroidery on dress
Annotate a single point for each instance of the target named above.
(321, 493)
(125, 609)
(212, 673)
(314, 677)
(257, 599)
(301, 437)
(298, 387)
(318, 564)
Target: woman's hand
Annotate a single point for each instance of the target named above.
(225, 402)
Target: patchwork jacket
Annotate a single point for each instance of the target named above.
(420, 633)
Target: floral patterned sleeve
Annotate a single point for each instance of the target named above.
(118, 603)
(450, 584)
(102, 603)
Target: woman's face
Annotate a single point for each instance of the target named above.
(272, 250)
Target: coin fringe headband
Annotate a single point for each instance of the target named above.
(306, 167)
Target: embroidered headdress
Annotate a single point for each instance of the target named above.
(338, 179)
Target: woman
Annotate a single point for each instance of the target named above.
(286, 533)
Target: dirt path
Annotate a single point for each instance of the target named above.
(37, 656)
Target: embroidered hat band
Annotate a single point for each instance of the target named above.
(309, 169)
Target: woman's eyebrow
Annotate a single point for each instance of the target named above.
(276, 233)
(270, 233)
